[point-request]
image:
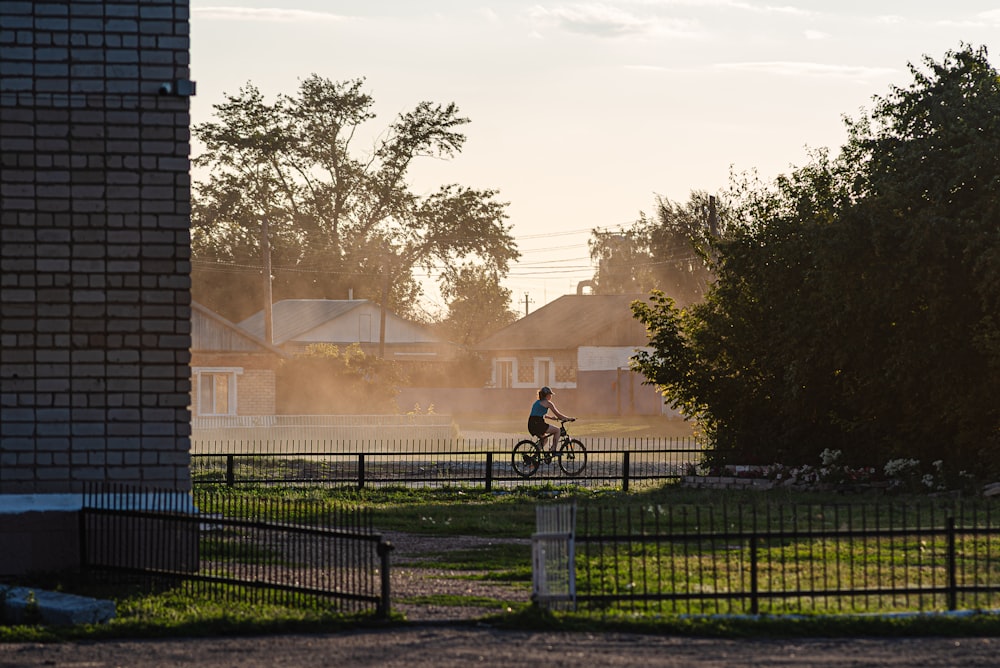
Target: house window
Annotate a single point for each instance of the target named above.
(543, 371)
(504, 373)
(217, 391)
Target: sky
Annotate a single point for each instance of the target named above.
(583, 113)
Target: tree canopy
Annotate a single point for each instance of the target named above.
(478, 304)
(340, 219)
(664, 252)
(856, 298)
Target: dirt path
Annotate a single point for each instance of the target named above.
(410, 581)
(448, 647)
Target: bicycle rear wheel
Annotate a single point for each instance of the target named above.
(526, 458)
(572, 458)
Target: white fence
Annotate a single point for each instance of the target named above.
(206, 431)
(553, 570)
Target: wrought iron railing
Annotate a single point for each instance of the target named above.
(263, 550)
(851, 558)
(429, 463)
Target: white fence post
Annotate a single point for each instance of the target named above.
(553, 552)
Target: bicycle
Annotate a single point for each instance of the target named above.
(528, 455)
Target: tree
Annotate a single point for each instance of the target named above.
(478, 304)
(855, 298)
(327, 380)
(338, 220)
(664, 253)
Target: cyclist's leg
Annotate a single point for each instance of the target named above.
(552, 434)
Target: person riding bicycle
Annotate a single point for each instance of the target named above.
(538, 427)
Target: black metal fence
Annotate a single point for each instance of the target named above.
(430, 463)
(291, 552)
(789, 559)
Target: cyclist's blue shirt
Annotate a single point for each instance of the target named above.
(537, 409)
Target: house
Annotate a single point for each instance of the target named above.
(579, 345)
(233, 372)
(299, 323)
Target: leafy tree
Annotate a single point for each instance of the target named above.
(666, 252)
(855, 298)
(327, 380)
(339, 219)
(478, 304)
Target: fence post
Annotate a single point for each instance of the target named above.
(952, 567)
(489, 471)
(230, 470)
(384, 548)
(361, 471)
(754, 603)
(82, 531)
(625, 471)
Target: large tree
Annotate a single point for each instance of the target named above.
(855, 301)
(478, 304)
(665, 251)
(339, 218)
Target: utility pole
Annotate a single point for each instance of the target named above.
(381, 320)
(526, 302)
(265, 245)
(713, 217)
(386, 273)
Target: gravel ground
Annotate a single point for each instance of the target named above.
(409, 581)
(451, 647)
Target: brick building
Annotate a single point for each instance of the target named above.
(94, 243)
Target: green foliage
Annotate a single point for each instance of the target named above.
(339, 218)
(326, 380)
(467, 369)
(665, 253)
(855, 300)
(478, 304)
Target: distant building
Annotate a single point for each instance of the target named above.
(579, 345)
(233, 372)
(299, 323)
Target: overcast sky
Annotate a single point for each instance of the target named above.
(583, 112)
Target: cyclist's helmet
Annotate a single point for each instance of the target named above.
(544, 391)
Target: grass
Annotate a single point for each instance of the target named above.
(452, 600)
(180, 614)
(975, 624)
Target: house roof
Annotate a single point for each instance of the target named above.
(210, 332)
(572, 321)
(303, 320)
(291, 317)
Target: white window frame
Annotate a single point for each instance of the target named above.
(232, 372)
(497, 361)
(551, 380)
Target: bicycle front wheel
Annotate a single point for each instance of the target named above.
(526, 458)
(572, 458)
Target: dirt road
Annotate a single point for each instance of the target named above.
(448, 647)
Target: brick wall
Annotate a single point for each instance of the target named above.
(94, 245)
(256, 392)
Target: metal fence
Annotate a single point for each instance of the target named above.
(291, 552)
(434, 463)
(852, 558)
